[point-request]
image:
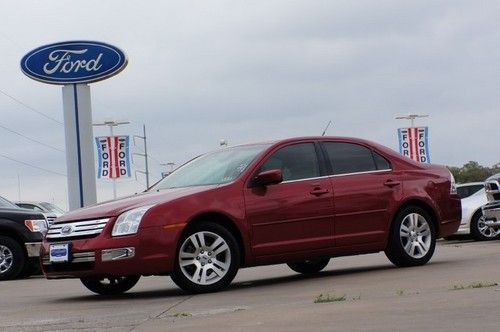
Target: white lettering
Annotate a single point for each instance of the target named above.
(61, 61)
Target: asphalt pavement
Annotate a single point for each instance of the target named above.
(459, 290)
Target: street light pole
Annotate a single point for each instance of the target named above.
(412, 118)
(111, 124)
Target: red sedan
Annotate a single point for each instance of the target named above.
(298, 201)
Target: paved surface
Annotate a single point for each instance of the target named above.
(376, 297)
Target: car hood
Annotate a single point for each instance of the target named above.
(116, 207)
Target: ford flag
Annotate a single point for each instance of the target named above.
(113, 157)
(414, 143)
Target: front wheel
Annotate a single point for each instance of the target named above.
(480, 231)
(207, 259)
(12, 259)
(412, 239)
(309, 266)
(110, 285)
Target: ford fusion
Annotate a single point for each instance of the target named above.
(297, 201)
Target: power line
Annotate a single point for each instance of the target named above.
(33, 166)
(32, 139)
(29, 107)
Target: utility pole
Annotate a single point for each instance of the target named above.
(111, 124)
(412, 118)
(145, 154)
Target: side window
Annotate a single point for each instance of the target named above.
(381, 162)
(298, 161)
(351, 158)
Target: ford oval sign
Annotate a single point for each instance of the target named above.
(73, 62)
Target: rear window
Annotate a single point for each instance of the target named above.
(466, 191)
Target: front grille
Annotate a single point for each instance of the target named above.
(76, 229)
(68, 267)
(77, 257)
(51, 220)
(79, 261)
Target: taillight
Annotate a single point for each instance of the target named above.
(453, 185)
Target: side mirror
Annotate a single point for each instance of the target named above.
(272, 176)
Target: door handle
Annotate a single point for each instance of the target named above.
(319, 191)
(391, 183)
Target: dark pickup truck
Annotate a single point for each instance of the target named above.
(21, 233)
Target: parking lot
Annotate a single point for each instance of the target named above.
(457, 290)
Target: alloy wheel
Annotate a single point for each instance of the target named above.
(6, 259)
(486, 230)
(204, 258)
(415, 234)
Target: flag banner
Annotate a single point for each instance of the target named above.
(414, 143)
(113, 157)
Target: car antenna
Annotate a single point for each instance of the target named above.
(326, 128)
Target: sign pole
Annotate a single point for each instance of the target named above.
(79, 154)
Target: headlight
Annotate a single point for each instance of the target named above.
(128, 222)
(36, 225)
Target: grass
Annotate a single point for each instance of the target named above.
(474, 285)
(183, 314)
(328, 298)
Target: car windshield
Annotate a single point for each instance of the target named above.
(52, 208)
(5, 204)
(217, 167)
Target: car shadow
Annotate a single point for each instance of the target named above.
(235, 286)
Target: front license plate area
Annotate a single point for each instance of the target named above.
(59, 253)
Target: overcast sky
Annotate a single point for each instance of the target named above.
(245, 71)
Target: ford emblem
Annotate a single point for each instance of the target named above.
(66, 230)
(73, 62)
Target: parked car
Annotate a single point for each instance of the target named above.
(473, 198)
(50, 210)
(21, 234)
(298, 201)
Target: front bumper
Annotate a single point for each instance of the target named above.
(149, 252)
(491, 212)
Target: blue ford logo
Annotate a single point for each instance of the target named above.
(66, 230)
(73, 62)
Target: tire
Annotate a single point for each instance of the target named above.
(412, 238)
(309, 266)
(207, 259)
(31, 267)
(12, 258)
(110, 285)
(481, 232)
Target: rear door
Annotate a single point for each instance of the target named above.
(364, 191)
(294, 215)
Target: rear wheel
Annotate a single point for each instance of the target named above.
(110, 285)
(207, 259)
(480, 231)
(412, 239)
(309, 266)
(12, 258)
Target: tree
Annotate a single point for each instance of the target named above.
(473, 172)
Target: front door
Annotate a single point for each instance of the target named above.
(294, 215)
